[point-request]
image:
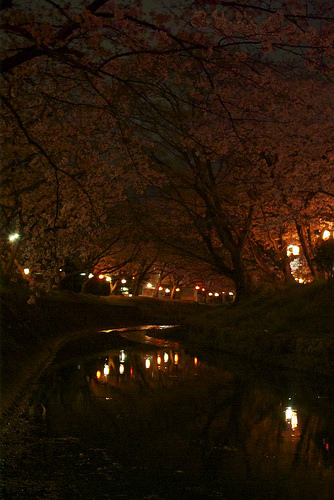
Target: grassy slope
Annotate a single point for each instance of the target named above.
(291, 329)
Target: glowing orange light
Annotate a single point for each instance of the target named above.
(159, 359)
(176, 358)
(195, 361)
(197, 287)
(203, 289)
(101, 276)
(161, 288)
(178, 289)
(98, 374)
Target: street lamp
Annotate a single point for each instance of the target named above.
(13, 237)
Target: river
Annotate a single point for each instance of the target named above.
(151, 419)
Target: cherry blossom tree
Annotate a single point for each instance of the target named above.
(216, 105)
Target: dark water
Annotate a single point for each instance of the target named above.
(151, 420)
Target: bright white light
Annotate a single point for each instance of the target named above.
(230, 293)
(326, 235)
(147, 363)
(26, 271)
(291, 417)
(123, 281)
(90, 276)
(210, 294)
(108, 278)
(167, 290)
(166, 357)
(216, 294)
(82, 274)
(13, 237)
(292, 250)
(121, 369)
(149, 285)
(101, 276)
(122, 356)
(106, 369)
(288, 413)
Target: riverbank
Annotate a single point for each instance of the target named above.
(290, 329)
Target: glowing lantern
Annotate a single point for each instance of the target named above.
(147, 363)
(101, 276)
(165, 357)
(292, 250)
(106, 369)
(176, 358)
(326, 235)
(291, 417)
(98, 374)
(121, 369)
(26, 271)
(159, 360)
(195, 361)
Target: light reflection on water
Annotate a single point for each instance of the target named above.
(229, 433)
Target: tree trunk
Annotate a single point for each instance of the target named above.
(241, 279)
(306, 250)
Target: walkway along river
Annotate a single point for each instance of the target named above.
(150, 419)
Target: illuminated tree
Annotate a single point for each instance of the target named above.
(101, 99)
